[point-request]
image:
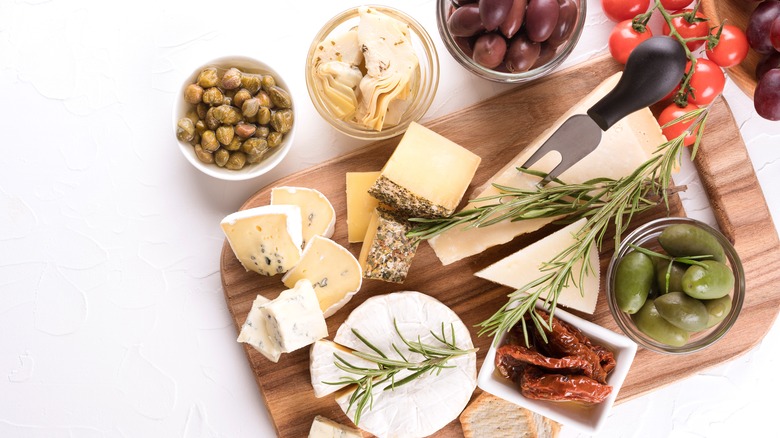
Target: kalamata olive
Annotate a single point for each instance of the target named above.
(767, 63)
(465, 21)
(759, 26)
(466, 45)
(540, 19)
(684, 240)
(546, 53)
(489, 50)
(567, 17)
(494, 12)
(521, 54)
(714, 280)
(514, 19)
(767, 96)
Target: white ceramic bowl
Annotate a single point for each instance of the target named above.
(180, 109)
(586, 418)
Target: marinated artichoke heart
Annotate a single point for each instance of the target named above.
(390, 62)
(338, 81)
(343, 48)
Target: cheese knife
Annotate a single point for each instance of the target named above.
(653, 69)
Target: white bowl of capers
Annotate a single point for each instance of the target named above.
(233, 118)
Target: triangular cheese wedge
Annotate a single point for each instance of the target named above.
(526, 265)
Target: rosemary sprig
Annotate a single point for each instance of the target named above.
(434, 359)
(689, 260)
(603, 202)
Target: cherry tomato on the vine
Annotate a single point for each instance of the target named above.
(624, 38)
(672, 112)
(619, 10)
(731, 49)
(707, 82)
(675, 5)
(697, 29)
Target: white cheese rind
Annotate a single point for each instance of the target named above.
(430, 402)
(294, 319)
(266, 239)
(255, 333)
(318, 217)
(526, 264)
(333, 271)
(322, 366)
(625, 146)
(325, 428)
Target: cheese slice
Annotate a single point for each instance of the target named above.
(526, 265)
(623, 148)
(431, 401)
(294, 319)
(326, 428)
(322, 366)
(427, 174)
(387, 253)
(333, 271)
(360, 204)
(317, 214)
(267, 239)
(255, 333)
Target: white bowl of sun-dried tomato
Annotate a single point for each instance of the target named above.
(572, 378)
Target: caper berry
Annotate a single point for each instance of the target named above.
(225, 134)
(250, 107)
(200, 127)
(274, 139)
(263, 115)
(204, 156)
(185, 129)
(267, 82)
(211, 119)
(236, 161)
(193, 94)
(251, 82)
(209, 141)
(226, 114)
(262, 132)
(208, 78)
(254, 146)
(279, 97)
(241, 96)
(282, 121)
(235, 144)
(221, 157)
(201, 110)
(245, 130)
(231, 79)
(265, 99)
(213, 96)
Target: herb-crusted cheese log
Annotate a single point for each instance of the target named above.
(360, 204)
(255, 333)
(265, 239)
(623, 148)
(294, 319)
(317, 214)
(427, 174)
(387, 253)
(333, 271)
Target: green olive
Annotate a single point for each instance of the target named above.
(274, 139)
(682, 311)
(282, 120)
(236, 161)
(279, 97)
(651, 323)
(717, 310)
(221, 157)
(633, 280)
(682, 240)
(208, 78)
(193, 94)
(204, 156)
(675, 276)
(231, 79)
(213, 96)
(714, 280)
(185, 129)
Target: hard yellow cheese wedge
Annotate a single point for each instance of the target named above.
(360, 204)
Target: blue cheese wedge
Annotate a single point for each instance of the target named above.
(267, 239)
(333, 271)
(526, 265)
(326, 428)
(255, 333)
(429, 402)
(426, 176)
(387, 252)
(322, 366)
(318, 217)
(294, 319)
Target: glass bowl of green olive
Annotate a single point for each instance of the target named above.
(234, 118)
(675, 285)
(371, 71)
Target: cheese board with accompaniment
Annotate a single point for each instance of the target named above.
(497, 130)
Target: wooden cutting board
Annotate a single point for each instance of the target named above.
(497, 129)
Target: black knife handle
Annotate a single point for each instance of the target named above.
(653, 69)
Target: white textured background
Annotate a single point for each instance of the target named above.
(112, 317)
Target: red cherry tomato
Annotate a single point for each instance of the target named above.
(624, 38)
(675, 5)
(731, 49)
(707, 82)
(619, 10)
(697, 29)
(672, 112)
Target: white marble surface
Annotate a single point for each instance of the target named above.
(112, 318)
